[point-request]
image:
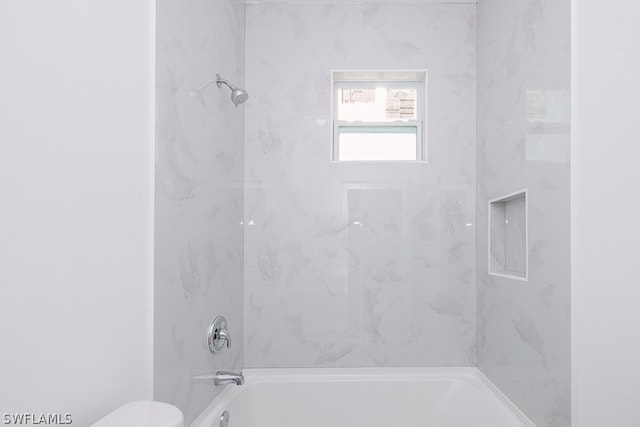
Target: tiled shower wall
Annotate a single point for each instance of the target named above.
(199, 196)
(523, 142)
(358, 264)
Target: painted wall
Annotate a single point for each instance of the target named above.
(523, 142)
(357, 264)
(604, 206)
(199, 196)
(76, 109)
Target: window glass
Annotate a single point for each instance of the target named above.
(377, 143)
(379, 115)
(376, 104)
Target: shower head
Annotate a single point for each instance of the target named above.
(238, 96)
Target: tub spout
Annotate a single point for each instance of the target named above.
(222, 377)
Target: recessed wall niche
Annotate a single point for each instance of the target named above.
(508, 236)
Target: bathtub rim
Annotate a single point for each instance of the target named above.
(473, 375)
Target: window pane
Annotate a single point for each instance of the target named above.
(369, 143)
(376, 104)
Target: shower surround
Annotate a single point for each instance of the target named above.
(523, 142)
(199, 196)
(358, 264)
(361, 264)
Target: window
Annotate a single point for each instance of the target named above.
(379, 115)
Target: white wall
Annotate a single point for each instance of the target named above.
(605, 207)
(75, 151)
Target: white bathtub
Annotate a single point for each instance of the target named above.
(387, 397)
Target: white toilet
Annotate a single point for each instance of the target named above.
(143, 414)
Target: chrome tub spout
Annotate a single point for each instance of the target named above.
(222, 377)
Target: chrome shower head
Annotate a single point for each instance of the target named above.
(238, 96)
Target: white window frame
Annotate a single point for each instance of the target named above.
(418, 123)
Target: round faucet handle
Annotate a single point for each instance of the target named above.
(218, 334)
(224, 335)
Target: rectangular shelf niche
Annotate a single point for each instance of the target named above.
(508, 236)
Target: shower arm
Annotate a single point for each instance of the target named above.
(220, 81)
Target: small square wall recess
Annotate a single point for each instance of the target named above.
(508, 236)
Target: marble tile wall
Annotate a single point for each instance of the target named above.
(523, 142)
(358, 264)
(199, 196)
